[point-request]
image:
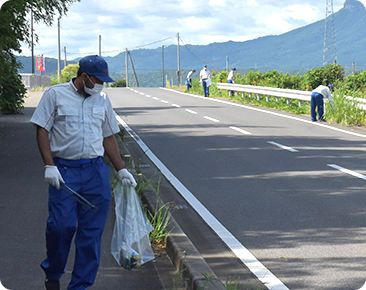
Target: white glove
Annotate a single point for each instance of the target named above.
(126, 178)
(53, 176)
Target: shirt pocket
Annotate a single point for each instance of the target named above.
(69, 118)
(99, 112)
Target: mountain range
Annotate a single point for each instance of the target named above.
(298, 50)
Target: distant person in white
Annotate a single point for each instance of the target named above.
(189, 79)
(230, 79)
(205, 76)
(317, 100)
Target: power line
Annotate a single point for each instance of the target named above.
(185, 45)
(123, 49)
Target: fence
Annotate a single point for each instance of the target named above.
(31, 81)
(258, 91)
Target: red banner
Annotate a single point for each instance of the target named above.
(40, 63)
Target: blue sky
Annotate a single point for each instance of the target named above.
(131, 24)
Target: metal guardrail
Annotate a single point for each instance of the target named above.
(258, 91)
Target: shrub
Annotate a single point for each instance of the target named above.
(119, 83)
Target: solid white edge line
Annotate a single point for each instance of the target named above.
(255, 266)
(211, 119)
(240, 130)
(269, 112)
(350, 172)
(192, 112)
(283, 146)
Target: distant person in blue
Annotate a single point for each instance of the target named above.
(205, 76)
(230, 80)
(317, 101)
(189, 79)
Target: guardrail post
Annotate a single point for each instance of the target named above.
(250, 95)
(288, 101)
(300, 103)
(258, 97)
(243, 95)
(267, 98)
(278, 99)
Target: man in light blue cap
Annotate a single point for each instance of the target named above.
(205, 76)
(317, 101)
(75, 127)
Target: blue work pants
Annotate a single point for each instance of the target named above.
(188, 82)
(231, 93)
(90, 178)
(205, 88)
(317, 102)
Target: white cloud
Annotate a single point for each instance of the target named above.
(253, 3)
(123, 23)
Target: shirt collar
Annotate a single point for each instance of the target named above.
(75, 88)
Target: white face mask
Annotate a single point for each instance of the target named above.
(95, 90)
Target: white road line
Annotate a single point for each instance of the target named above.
(283, 146)
(211, 119)
(256, 267)
(142, 93)
(175, 105)
(148, 96)
(350, 172)
(240, 130)
(165, 102)
(155, 98)
(192, 112)
(269, 112)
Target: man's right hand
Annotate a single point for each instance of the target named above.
(53, 176)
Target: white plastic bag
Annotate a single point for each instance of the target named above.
(209, 82)
(130, 241)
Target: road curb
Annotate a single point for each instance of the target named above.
(188, 262)
(192, 269)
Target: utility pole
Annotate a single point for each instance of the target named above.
(65, 61)
(59, 52)
(163, 66)
(330, 46)
(178, 72)
(100, 45)
(133, 69)
(32, 45)
(126, 66)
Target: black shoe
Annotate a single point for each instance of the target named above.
(52, 284)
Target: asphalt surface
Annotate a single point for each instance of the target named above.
(301, 218)
(23, 214)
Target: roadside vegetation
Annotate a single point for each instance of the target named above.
(346, 111)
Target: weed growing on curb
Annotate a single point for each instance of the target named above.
(160, 220)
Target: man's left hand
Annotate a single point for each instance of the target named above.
(126, 178)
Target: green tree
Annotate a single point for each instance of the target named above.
(330, 74)
(15, 30)
(69, 72)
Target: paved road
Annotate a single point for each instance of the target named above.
(302, 218)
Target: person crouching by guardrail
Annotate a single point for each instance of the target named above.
(189, 79)
(230, 80)
(317, 100)
(205, 76)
